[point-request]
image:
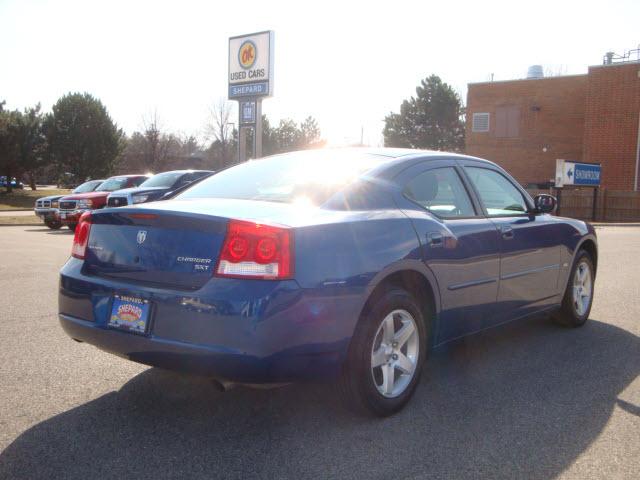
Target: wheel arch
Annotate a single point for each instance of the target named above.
(414, 277)
(590, 245)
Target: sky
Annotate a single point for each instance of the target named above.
(346, 63)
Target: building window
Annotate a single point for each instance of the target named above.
(480, 122)
(507, 121)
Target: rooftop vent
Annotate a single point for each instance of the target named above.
(535, 71)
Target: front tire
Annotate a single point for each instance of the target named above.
(386, 355)
(53, 224)
(72, 226)
(578, 297)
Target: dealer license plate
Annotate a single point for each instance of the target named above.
(63, 215)
(129, 313)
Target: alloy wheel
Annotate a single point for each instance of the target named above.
(394, 353)
(582, 288)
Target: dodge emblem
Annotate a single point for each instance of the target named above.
(142, 236)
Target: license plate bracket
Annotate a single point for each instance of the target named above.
(130, 313)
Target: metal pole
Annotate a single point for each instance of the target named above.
(595, 203)
(257, 136)
(239, 132)
(242, 144)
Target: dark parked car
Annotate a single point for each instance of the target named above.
(156, 187)
(14, 183)
(47, 207)
(335, 264)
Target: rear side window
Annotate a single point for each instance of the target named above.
(497, 193)
(441, 192)
(139, 181)
(198, 175)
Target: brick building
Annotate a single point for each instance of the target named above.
(525, 125)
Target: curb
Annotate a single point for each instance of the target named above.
(19, 225)
(612, 224)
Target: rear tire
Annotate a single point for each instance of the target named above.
(72, 226)
(386, 355)
(578, 297)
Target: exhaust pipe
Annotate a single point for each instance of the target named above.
(225, 385)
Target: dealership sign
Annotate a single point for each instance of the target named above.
(251, 65)
(247, 113)
(575, 173)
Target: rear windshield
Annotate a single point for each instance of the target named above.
(163, 180)
(89, 186)
(115, 183)
(311, 176)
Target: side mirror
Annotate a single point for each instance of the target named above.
(545, 203)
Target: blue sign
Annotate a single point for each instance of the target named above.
(247, 112)
(249, 90)
(584, 174)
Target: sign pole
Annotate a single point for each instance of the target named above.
(257, 136)
(242, 144)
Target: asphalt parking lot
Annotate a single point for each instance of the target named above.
(527, 400)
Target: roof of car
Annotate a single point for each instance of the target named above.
(131, 175)
(188, 170)
(400, 153)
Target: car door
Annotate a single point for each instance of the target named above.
(530, 252)
(459, 245)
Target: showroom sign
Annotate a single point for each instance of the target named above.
(576, 173)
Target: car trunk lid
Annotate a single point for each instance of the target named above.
(164, 249)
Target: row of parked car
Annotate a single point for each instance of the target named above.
(5, 182)
(59, 210)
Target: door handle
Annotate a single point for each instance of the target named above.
(507, 232)
(434, 240)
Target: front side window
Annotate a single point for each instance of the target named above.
(89, 186)
(497, 193)
(441, 192)
(163, 180)
(138, 181)
(113, 184)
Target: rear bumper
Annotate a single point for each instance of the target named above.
(209, 360)
(252, 332)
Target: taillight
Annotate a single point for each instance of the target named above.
(81, 236)
(254, 250)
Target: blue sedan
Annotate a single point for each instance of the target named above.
(347, 265)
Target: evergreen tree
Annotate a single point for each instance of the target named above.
(433, 119)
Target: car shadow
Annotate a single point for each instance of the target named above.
(521, 401)
(61, 231)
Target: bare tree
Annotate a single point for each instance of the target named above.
(158, 146)
(219, 129)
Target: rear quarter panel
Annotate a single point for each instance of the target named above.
(339, 264)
